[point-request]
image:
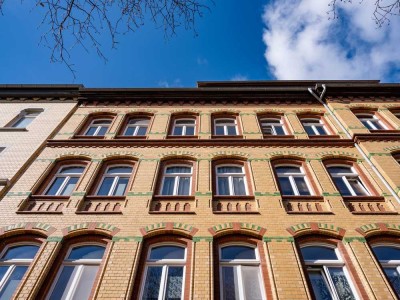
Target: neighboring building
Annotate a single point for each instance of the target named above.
(232, 190)
(29, 115)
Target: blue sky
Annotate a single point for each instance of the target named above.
(237, 40)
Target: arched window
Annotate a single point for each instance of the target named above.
(326, 272)
(225, 126)
(314, 126)
(292, 180)
(136, 126)
(115, 180)
(240, 272)
(184, 126)
(77, 274)
(231, 180)
(177, 180)
(14, 262)
(64, 180)
(371, 121)
(347, 181)
(98, 127)
(164, 272)
(25, 117)
(273, 126)
(389, 259)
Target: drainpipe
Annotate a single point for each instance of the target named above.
(364, 155)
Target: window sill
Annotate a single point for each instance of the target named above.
(374, 213)
(28, 212)
(234, 197)
(363, 198)
(216, 137)
(131, 137)
(272, 136)
(171, 198)
(305, 198)
(171, 212)
(90, 137)
(48, 198)
(13, 129)
(182, 137)
(82, 212)
(327, 136)
(309, 212)
(236, 212)
(105, 198)
(384, 131)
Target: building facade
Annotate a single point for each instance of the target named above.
(231, 190)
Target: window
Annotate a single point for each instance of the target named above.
(177, 181)
(164, 274)
(26, 117)
(184, 127)
(136, 127)
(115, 181)
(14, 263)
(314, 126)
(292, 181)
(77, 274)
(65, 180)
(371, 121)
(231, 180)
(240, 273)
(272, 126)
(225, 126)
(98, 127)
(389, 259)
(327, 273)
(347, 181)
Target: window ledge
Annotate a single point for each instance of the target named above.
(48, 197)
(234, 197)
(327, 136)
(309, 212)
(363, 198)
(170, 198)
(27, 212)
(81, 212)
(384, 131)
(216, 137)
(171, 212)
(91, 137)
(236, 212)
(374, 213)
(105, 198)
(182, 137)
(131, 137)
(272, 136)
(305, 198)
(13, 129)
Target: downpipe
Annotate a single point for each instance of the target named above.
(363, 154)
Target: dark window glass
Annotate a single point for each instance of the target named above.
(318, 253)
(238, 252)
(87, 252)
(167, 252)
(21, 252)
(387, 253)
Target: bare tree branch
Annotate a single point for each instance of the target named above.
(81, 22)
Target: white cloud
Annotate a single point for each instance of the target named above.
(303, 43)
(239, 77)
(167, 84)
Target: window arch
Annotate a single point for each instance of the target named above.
(347, 180)
(25, 117)
(315, 125)
(96, 126)
(115, 179)
(226, 125)
(184, 125)
(273, 125)
(135, 126)
(371, 120)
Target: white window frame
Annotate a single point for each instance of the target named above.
(116, 178)
(13, 263)
(165, 263)
(240, 263)
(230, 178)
(177, 177)
(184, 126)
(266, 122)
(371, 119)
(345, 178)
(67, 177)
(322, 265)
(291, 178)
(313, 123)
(80, 263)
(98, 126)
(225, 125)
(137, 126)
(29, 113)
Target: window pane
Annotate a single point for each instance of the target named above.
(23, 122)
(91, 131)
(72, 170)
(346, 170)
(224, 170)
(301, 186)
(239, 186)
(85, 284)
(319, 286)
(3, 271)
(219, 130)
(152, 285)
(119, 170)
(341, 186)
(286, 187)
(171, 170)
(63, 284)
(223, 186)
(189, 130)
(101, 122)
(231, 130)
(105, 186)
(184, 186)
(251, 282)
(366, 124)
(70, 186)
(341, 284)
(142, 131)
(288, 169)
(138, 121)
(12, 282)
(178, 130)
(168, 186)
(87, 252)
(21, 252)
(173, 290)
(279, 130)
(267, 129)
(55, 186)
(318, 253)
(230, 285)
(184, 122)
(102, 131)
(309, 130)
(357, 187)
(121, 186)
(167, 252)
(394, 279)
(387, 253)
(225, 121)
(130, 131)
(321, 130)
(238, 252)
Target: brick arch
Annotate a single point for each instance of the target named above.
(316, 228)
(73, 155)
(178, 112)
(309, 111)
(141, 111)
(219, 111)
(372, 229)
(237, 228)
(103, 111)
(178, 157)
(229, 154)
(38, 228)
(336, 154)
(118, 156)
(364, 107)
(100, 228)
(178, 153)
(286, 155)
(269, 111)
(168, 228)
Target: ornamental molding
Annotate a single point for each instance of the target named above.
(368, 230)
(316, 228)
(168, 228)
(23, 227)
(90, 227)
(237, 228)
